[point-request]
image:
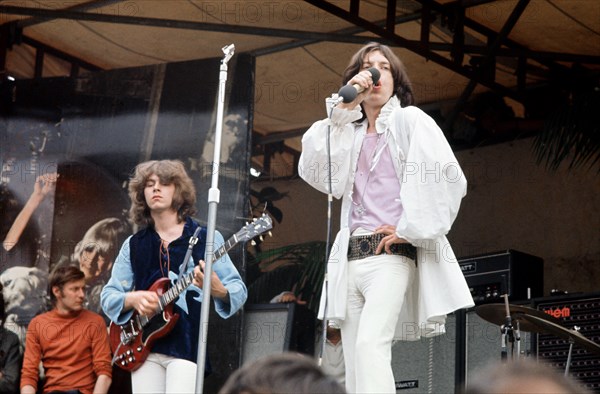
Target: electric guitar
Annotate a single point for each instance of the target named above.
(132, 341)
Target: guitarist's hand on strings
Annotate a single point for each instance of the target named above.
(144, 302)
(216, 286)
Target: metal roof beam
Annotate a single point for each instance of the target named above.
(416, 47)
(343, 32)
(446, 9)
(59, 54)
(345, 35)
(179, 24)
(90, 5)
(489, 61)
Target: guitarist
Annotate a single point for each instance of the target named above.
(163, 202)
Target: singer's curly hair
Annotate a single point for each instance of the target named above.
(169, 172)
(402, 85)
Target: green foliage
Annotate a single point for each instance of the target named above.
(572, 133)
(299, 268)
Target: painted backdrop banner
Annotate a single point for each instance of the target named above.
(68, 147)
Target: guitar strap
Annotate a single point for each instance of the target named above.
(186, 259)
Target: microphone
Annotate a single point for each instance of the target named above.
(349, 92)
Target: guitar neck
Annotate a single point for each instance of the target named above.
(188, 279)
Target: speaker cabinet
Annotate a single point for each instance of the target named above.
(444, 364)
(484, 345)
(267, 330)
(426, 365)
(519, 274)
(582, 311)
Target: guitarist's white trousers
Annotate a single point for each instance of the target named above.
(164, 374)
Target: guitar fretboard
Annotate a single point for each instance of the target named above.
(188, 279)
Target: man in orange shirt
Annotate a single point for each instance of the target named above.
(70, 341)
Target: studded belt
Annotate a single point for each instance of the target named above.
(363, 246)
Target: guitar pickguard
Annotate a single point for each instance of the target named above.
(155, 324)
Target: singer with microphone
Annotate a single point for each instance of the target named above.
(392, 274)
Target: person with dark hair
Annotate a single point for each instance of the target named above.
(10, 356)
(163, 201)
(391, 272)
(522, 377)
(287, 373)
(70, 341)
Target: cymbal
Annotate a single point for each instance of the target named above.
(496, 313)
(564, 333)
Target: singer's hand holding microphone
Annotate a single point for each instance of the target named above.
(363, 81)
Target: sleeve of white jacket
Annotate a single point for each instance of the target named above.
(433, 183)
(313, 165)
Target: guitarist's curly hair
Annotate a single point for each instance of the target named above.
(169, 172)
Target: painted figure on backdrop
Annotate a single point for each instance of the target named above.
(25, 287)
(392, 273)
(25, 296)
(233, 126)
(15, 225)
(24, 283)
(95, 255)
(163, 201)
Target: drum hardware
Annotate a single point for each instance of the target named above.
(531, 320)
(573, 336)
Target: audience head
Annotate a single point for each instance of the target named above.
(281, 373)
(523, 376)
(61, 276)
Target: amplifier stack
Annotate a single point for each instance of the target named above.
(581, 311)
(474, 339)
(518, 274)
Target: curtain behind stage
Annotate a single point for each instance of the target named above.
(92, 130)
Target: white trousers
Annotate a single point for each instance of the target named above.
(376, 289)
(164, 374)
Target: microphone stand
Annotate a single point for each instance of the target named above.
(213, 201)
(570, 354)
(332, 102)
(508, 333)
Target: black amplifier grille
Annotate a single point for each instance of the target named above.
(584, 313)
(491, 275)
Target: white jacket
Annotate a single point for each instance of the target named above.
(432, 186)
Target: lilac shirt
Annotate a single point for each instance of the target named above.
(378, 192)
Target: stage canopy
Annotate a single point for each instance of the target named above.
(524, 52)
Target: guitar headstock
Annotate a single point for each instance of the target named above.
(257, 227)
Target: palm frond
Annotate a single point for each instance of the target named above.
(572, 133)
(299, 268)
